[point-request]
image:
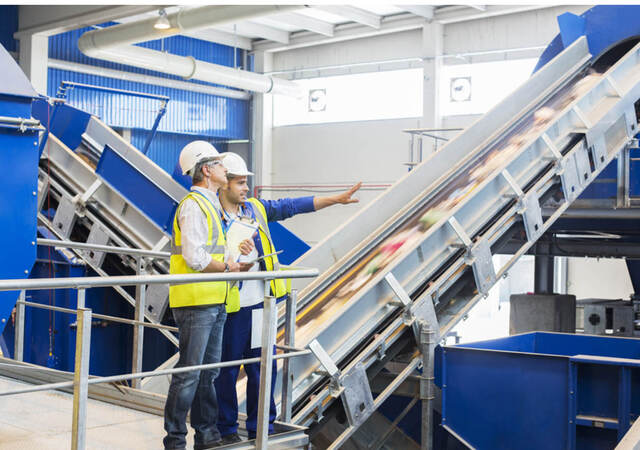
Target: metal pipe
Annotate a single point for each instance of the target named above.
(18, 353)
(543, 274)
(80, 380)
(114, 44)
(138, 330)
(87, 282)
(154, 128)
(20, 121)
(187, 67)
(266, 366)
(290, 342)
(72, 84)
(105, 248)
(185, 19)
(315, 187)
(156, 373)
(596, 213)
(427, 344)
(147, 79)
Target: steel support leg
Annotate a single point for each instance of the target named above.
(427, 345)
(290, 341)
(18, 349)
(81, 378)
(266, 362)
(543, 274)
(138, 330)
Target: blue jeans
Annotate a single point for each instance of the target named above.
(200, 335)
(237, 345)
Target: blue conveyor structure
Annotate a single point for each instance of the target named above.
(19, 181)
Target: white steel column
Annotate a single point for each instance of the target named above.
(432, 37)
(34, 51)
(262, 119)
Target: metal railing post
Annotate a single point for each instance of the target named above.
(266, 363)
(81, 298)
(427, 344)
(18, 349)
(138, 330)
(81, 377)
(289, 341)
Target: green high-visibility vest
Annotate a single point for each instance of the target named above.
(279, 286)
(202, 293)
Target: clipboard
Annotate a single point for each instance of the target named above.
(260, 258)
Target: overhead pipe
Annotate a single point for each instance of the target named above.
(146, 79)
(189, 67)
(111, 44)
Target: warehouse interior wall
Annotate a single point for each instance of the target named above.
(375, 151)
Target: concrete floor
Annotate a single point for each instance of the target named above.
(42, 420)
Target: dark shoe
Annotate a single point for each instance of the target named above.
(212, 444)
(231, 439)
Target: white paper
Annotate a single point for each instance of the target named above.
(239, 231)
(256, 327)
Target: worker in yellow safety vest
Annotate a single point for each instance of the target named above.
(240, 326)
(199, 309)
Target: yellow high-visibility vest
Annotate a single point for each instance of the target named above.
(279, 286)
(203, 293)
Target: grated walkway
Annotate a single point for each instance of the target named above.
(42, 420)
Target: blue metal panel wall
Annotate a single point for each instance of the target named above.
(8, 26)
(188, 112)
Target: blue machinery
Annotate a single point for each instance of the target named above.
(504, 183)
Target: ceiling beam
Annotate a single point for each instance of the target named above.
(49, 20)
(247, 28)
(425, 11)
(391, 24)
(221, 37)
(352, 14)
(305, 23)
(344, 32)
(456, 14)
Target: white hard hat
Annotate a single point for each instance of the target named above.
(194, 152)
(235, 165)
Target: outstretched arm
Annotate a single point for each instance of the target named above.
(343, 198)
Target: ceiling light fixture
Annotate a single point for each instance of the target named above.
(162, 23)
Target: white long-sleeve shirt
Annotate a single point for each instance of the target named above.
(195, 232)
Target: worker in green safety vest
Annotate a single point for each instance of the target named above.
(242, 329)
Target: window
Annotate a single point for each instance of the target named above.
(476, 88)
(366, 96)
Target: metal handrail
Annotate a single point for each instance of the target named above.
(100, 316)
(103, 248)
(81, 379)
(135, 280)
(152, 373)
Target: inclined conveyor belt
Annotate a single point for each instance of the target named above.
(420, 251)
(429, 238)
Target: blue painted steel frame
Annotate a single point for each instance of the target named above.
(604, 26)
(19, 182)
(540, 390)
